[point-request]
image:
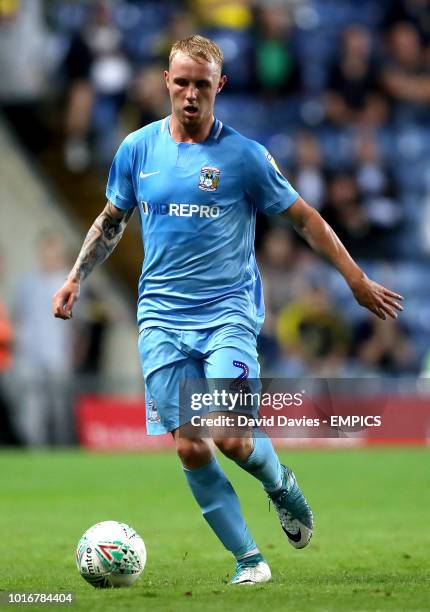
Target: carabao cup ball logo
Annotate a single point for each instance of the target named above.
(209, 178)
(110, 554)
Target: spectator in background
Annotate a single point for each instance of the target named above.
(181, 25)
(406, 75)
(276, 67)
(26, 64)
(8, 435)
(150, 96)
(228, 22)
(44, 350)
(415, 12)
(345, 213)
(220, 14)
(148, 89)
(354, 93)
(376, 184)
(95, 318)
(99, 73)
(80, 102)
(283, 265)
(9, 10)
(314, 338)
(384, 349)
(308, 172)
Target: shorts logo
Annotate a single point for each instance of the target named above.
(239, 382)
(209, 178)
(244, 368)
(153, 416)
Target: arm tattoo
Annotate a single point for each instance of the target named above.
(102, 238)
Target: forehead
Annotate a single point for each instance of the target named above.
(185, 66)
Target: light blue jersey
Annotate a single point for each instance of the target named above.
(197, 205)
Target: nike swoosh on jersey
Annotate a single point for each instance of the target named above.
(143, 175)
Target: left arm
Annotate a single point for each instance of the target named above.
(322, 239)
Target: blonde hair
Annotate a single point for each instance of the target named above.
(198, 47)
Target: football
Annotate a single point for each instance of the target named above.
(110, 554)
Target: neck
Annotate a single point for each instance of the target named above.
(191, 134)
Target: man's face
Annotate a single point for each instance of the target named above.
(193, 86)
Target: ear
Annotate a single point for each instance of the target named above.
(166, 77)
(222, 82)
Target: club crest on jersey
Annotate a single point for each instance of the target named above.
(209, 178)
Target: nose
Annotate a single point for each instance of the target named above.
(191, 93)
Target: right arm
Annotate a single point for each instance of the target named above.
(102, 238)
(322, 239)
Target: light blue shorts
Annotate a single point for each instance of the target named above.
(170, 356)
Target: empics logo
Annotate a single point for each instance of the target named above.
(180, 210)
(209, 178)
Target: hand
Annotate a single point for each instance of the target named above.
(64, 300)
(376, 298)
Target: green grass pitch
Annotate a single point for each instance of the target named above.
(370, 550)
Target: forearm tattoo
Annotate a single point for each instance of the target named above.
(102, 238)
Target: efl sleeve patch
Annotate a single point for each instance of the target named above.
(266, 186)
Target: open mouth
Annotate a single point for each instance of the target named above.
(190, 109)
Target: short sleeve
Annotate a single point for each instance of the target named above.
(119, 189)
(265, 186)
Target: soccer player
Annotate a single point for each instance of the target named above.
(198, 185)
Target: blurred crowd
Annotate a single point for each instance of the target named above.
(42, 360)
(338, 91)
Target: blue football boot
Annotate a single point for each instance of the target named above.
(293, 510)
